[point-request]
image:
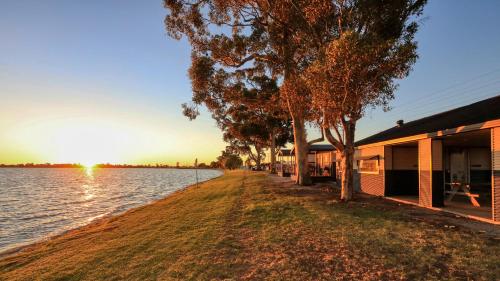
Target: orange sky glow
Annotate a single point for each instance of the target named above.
(91, 134)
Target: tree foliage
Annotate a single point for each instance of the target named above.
(334, 59)
(358, 66)
(214, 165)
(251, 38)
(229, 160)
(246, 108)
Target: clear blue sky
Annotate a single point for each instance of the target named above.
(459, 48)
(75, 62)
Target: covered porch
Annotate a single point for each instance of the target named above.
(452, 172)
(468, 173)
(322, 163)
(285, 163)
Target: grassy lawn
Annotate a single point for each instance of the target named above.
(247, 226)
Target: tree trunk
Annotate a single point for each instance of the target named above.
(258, 159)
(301, 151)
(347, 190)
(273, 154)
(299, 127)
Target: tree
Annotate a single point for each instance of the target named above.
(356, 68)
(229, 160)
(233, 162)
(254, 119)
(254, 37)
(245, 108)
(334, 58)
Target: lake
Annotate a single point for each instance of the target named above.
(39, 202)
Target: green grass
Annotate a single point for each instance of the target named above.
(245, 226)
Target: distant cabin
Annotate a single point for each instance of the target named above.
(322, 163)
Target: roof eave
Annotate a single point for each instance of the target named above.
(445, 132)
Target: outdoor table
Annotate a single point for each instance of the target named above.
(462, 189)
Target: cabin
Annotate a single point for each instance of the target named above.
(284, 163)
(321, 160)
(448, 161)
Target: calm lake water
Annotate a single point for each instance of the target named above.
(37, 203)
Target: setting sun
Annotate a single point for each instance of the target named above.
(88, 143)
(88, 164)
(76, 136)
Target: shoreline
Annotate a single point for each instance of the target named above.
(95, 222)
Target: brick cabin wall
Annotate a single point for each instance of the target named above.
(372, 183)
(495, 174)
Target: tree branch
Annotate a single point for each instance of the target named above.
(339, 146)
(320, 139)
(339, 135)
(236, 64)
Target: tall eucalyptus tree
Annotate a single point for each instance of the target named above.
(250, 38)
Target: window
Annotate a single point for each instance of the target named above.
(368, 166)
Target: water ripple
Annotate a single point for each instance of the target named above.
(36, 203)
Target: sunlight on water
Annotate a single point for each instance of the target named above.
(88, 188)
(89, 170)
(36, 203)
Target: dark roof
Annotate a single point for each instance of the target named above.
(321, 147)
(312, 148)
(478, 112)
(285, 152)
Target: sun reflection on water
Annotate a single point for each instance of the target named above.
(89, 186)
(89, 171)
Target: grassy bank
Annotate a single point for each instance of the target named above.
(250, 227)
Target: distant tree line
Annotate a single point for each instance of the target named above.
(42, 165)
(266, 70)
(214, 165)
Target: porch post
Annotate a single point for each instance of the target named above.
(430, 173)
(437, 174)
(281, 164)
(495, 173)
(388, 174)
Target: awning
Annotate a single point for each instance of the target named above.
(284, 152)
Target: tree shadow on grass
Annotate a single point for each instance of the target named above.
(416, 242)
